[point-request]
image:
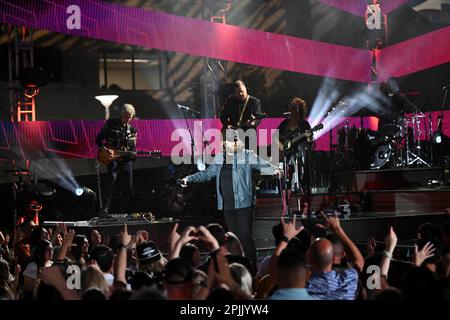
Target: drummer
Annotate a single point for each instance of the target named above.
(393, 106)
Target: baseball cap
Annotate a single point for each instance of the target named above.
(148, 252)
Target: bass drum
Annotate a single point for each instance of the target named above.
(381, 157)
(372, 150)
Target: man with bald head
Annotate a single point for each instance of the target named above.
(327, 282)
(321, 256)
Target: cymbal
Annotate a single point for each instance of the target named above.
(416, 115)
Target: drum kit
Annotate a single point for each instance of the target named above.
(395, 144)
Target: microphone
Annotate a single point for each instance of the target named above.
(187, 109)
(287, 114)
(180, 182)
(446, 87)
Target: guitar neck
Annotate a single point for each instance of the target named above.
(298, 138)
(126, 152)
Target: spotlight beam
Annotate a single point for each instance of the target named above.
(372, 100)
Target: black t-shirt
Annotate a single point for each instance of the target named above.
(286, 133)
(226, 186)
(233, 107)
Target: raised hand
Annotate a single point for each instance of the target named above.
(67, 243)
(290, 230)
(332, 222)
(184, 182)
(60, 227)
(371, 245)
(125, 238)
(421, 255)
(206, 236)
(68, 238)
(188, 235)
(174, 236)
(390, 241)
(141, 236)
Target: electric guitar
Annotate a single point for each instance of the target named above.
(106, 156)
(244, 125)
(293, 142)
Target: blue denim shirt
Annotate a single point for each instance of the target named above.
(334, 285)
(244, 163)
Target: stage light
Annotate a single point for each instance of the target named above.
(437, 137)
(85, 199)
(79, 192)
(331, 108)
(106, 100)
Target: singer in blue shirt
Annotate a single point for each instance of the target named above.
(233, 171)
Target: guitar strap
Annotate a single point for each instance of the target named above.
(242, 112)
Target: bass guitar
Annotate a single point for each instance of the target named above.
(106, 156)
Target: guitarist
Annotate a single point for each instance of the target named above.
(119, 134)
(294, 125)
(240, 109)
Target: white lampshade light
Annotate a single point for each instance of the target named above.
(106, 100)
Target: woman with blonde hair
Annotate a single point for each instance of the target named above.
(92, 277)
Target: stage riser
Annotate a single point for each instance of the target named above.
(415, 201)
(423, 201)
(362, 181)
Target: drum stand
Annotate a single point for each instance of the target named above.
(411, 157)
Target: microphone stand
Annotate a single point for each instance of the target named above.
(205, 142)
(430, 124)
(430, 127)
(444, 101)
(441, 116)
(192, 137)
